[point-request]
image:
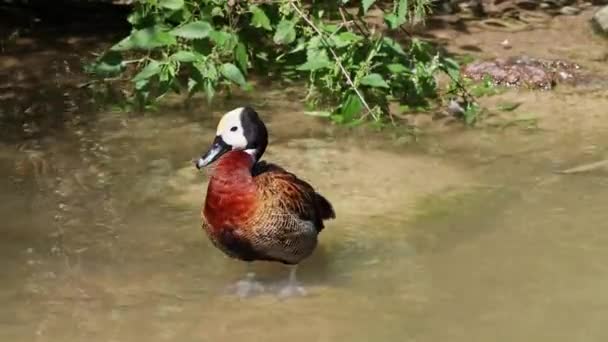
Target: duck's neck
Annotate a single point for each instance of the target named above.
(231, 194)
(233, 166)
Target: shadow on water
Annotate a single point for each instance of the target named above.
(466, 235)
(44, 47)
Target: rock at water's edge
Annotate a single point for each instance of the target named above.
(600, 20)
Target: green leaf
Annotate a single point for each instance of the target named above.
(350, 107)
(285, 33)
(184, 56)
(315, 43)
(141, 84)
(137, 19)
(301, 46)
(471, 113)
(171, 4)
(165, 74)
(402, 8)
(338, 118)
(399, 15)
(217, 12)
(452, 67)
(393, 45)
(209, 90)
(374, 80)
(109, 64)
(259, 18)
(151, 69)
(397, 68)
(211, 73)
(223, 39)
(162, 89)
(346, 38)
(451, 64)
(315, 46)
(366, 5)
(206, 70)
(194, 30)
(192, 84)
(241, 56)
(391, 21)
(313, 65)
(146, 39)
(316, 59)
(232, 72)
(329, 28)
(262, 55)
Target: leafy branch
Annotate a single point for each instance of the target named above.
(344, 72)
(351, 70)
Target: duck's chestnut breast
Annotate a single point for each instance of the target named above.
(231, 194)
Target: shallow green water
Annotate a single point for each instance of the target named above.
(105, 243)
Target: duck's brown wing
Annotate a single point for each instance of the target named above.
(291, 194)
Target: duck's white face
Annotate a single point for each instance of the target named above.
(230, 129)
(240, 129)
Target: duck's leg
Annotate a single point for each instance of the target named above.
(292, 288)
(248, 286)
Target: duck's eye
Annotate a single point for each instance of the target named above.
(234, 129)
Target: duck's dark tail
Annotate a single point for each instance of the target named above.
(324, 208)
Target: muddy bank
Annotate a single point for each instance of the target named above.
(525, 72)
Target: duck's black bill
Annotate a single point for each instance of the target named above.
(218, 148)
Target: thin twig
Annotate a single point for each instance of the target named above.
(468, 96)
(586, 167)
(345, 13)
(344, 72)
(345, 22)
(342, 14)
(407, 33)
